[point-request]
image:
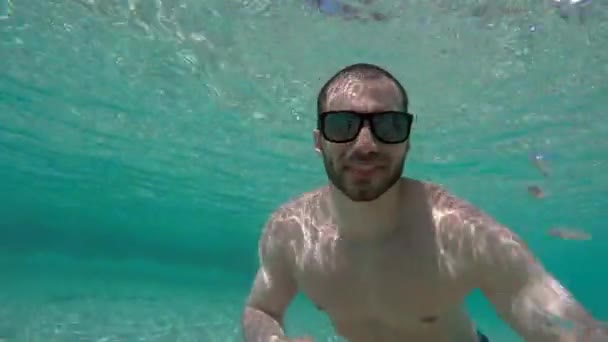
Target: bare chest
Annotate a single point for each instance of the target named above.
(399, 285)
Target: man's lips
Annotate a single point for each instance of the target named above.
(363, 170)
(363, 167)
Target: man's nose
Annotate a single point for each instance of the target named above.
(365, 141)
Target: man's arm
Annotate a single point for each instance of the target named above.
(274, 286)
(523, 293)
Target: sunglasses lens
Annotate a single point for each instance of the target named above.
(387, 127)
(341, 126)
(392, 127)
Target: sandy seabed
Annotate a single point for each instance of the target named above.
(44, 308)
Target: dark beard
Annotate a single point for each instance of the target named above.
(363, 193)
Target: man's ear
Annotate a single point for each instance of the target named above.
(317, 141)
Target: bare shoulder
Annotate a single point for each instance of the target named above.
(291, 220)
(445, 203)
(455, 212)
(459, 222)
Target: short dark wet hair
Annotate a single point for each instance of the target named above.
(361, 71)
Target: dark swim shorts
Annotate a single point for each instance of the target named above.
(482, 337)
(332, 7)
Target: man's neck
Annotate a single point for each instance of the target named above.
(366, 221)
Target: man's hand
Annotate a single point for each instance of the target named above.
(597, 335)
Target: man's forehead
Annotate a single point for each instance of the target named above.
(351, 91)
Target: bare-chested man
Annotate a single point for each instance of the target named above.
(390, 258)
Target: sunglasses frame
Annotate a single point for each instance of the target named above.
(363, 117)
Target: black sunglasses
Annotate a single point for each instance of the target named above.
(389, 127)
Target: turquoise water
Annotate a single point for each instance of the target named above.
(144, 143)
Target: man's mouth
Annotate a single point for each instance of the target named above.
(363, 170)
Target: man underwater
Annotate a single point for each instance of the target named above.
(391, 258)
